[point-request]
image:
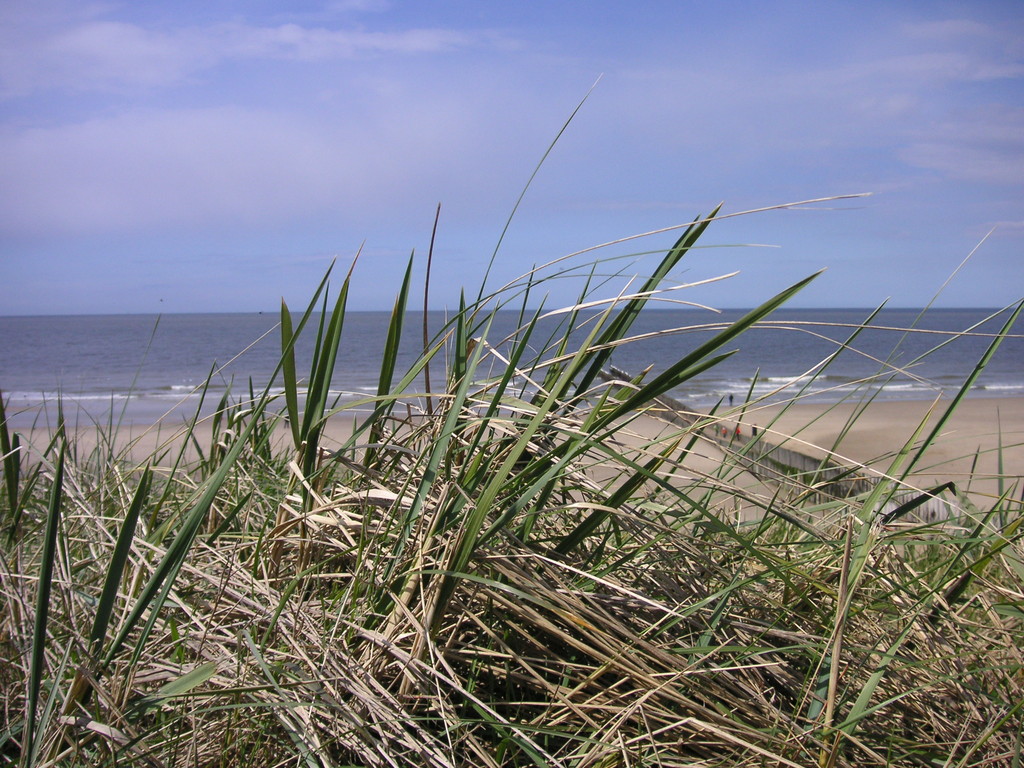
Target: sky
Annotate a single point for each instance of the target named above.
(216, 156)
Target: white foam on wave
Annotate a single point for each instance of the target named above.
(785, 379)
(39, 398)
(1001, 387)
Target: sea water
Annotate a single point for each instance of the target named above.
(139, 368)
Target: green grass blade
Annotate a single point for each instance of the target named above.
(468, 360)
(229, 518)
(289, 377)
(389, 360)
(289, 336)
(426, 310)
(180, 686)
(325, 356)
(968, 383)
(10, 449)
(48, 558)
(911, 504)
(394, 337)
(619, 497)
(118, 560)
(172, 560)
(624, 320)
(460, 351)
(469, 536)
(699, 359)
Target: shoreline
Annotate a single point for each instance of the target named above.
(981, 442)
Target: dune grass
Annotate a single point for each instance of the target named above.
(511, 569)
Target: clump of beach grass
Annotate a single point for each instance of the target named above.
(508, 569)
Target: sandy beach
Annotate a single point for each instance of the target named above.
(981, 441)
(140, 442)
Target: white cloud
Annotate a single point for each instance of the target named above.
(357, 6)
(95, 54)
(948, 29)
(1010, 228)
(291, 41)
(143, 170)
(986, 146)
(966, 163)
(969, 50)
(102, 53)
(235, 167)
(944, 67)
(900, 101)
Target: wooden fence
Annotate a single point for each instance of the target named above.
(772, 462)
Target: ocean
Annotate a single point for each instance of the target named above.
(138, 368)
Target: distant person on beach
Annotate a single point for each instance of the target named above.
(730, 400)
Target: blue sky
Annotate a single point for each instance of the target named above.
(214, 156)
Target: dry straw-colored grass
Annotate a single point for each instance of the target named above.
(510, 575)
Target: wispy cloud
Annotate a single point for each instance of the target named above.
(985, 146)
(98, 55)
(1011, 228)
(242, 167)
(292, 41)
(359, 6)
(146, 169)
